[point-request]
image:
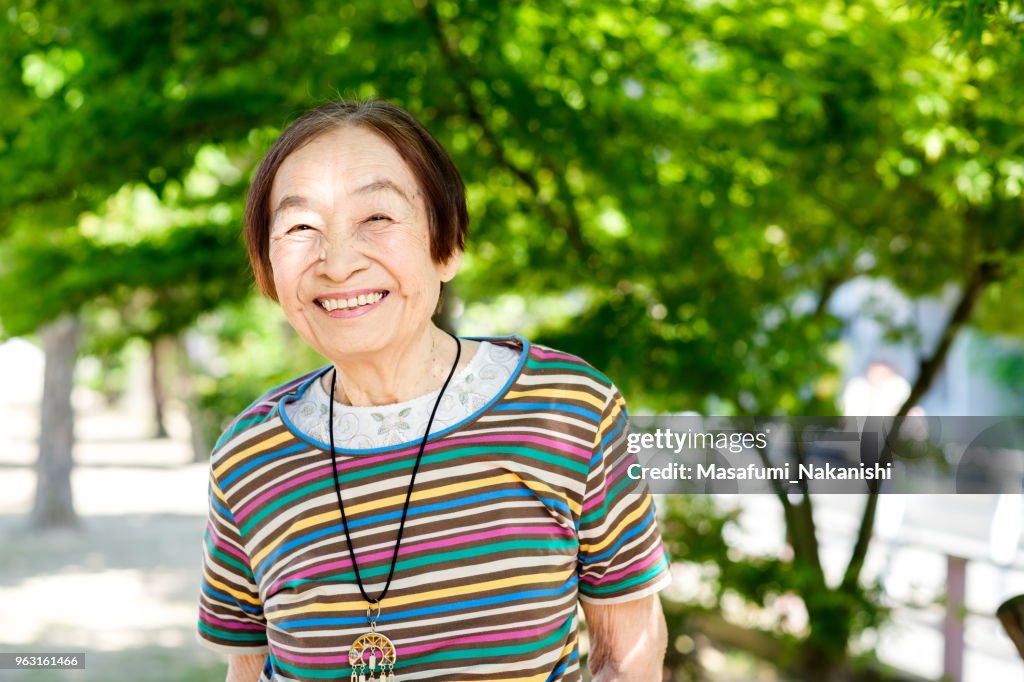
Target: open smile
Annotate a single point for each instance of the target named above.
(352, 303)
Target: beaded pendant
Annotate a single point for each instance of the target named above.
(372, 654)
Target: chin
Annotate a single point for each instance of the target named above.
(361, 345)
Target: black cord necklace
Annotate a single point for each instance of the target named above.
(373, 648)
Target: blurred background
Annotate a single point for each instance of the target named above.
(748, 207)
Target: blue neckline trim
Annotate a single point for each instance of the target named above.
(295, 393)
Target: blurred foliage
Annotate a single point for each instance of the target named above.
(696, 530)
(970, 22)
(701, 177)
(692, 180)
(236, 355)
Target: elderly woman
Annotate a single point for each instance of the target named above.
(427, 507)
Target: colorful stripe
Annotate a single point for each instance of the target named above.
(516, 511)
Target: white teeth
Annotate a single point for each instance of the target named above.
(330, 304)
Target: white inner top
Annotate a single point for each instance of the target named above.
(374, 426)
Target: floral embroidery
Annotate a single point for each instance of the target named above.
(363, 428)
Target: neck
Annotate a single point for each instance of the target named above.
(396, 375)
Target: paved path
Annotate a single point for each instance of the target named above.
(121, 589)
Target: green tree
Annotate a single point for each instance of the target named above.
(673, 190)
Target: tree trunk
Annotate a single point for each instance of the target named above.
(156, 367)
(821, 666)
(185, 387)
(54, 506)
(980, 277)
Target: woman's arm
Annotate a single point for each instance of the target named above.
(627, 640)
(245, 667)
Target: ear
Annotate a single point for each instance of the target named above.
(450, 267)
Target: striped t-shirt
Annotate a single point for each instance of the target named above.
(518, 512)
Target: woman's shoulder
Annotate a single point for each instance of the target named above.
(557, 375)
(544, 360)
(561, 386)
(261, 410)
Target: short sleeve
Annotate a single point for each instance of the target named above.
(230, 610)
(621, 556)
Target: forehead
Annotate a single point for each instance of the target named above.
(342, 161)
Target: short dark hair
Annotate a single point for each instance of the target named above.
(434, 170)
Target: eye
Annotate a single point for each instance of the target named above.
(377, 217)
(299, 228)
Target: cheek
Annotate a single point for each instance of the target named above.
(287, 263)
(422, 275)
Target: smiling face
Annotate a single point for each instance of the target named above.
(350, 246)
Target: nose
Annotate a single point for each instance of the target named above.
(340, 257)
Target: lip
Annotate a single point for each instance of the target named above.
(352, 294)
(351, 312)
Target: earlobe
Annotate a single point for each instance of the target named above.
(450, 267)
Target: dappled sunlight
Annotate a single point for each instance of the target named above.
(103, 611)
(101, 488)
(122, 587)
(132, 491)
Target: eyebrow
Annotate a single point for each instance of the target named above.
(383, 185)
(290, 201)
